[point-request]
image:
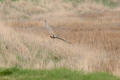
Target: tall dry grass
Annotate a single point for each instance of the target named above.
(29, 9)
(24, 42)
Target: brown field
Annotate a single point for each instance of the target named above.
(94, 38)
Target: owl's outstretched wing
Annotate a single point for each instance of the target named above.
(49, 28)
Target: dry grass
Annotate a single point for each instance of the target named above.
(95, 37)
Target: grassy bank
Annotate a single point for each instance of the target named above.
(54, 74)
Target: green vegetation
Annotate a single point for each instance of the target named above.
(0, 45)
(108, 3)
(14, 0)
(11, 0)
(1, 0)
(74, 2)
(54, 74)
